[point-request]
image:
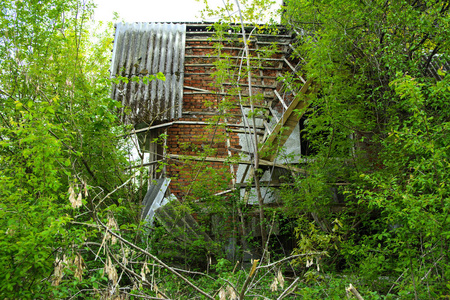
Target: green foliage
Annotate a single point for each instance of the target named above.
(254, 12)
(374, 199)
(379, 128)
(411, 191)
(59, 155)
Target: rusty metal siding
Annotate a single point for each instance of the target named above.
(148, 48)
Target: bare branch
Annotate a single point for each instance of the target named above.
(286, 291)
(291, 258)
(156, 259)
(353, 290)
(137, 275)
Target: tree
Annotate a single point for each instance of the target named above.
(57, 134)
(69, 214)
(375, 63)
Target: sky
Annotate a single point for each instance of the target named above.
(152, 10)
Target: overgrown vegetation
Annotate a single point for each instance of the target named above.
(372, 208)
(379, 127)
(60, 158)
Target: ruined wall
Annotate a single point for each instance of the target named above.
(202, 104)
(206, 136)
(212, 116)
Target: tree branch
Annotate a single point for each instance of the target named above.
(154, 258)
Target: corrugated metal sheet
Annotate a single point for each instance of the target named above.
(154, 198)
(149, 48)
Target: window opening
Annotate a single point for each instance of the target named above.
(152, 144)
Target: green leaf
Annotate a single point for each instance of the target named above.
(67, 162)
(160, 76)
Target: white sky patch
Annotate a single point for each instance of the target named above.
(154, 10)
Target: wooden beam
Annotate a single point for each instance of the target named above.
(231, 66)
(222, 94)
(208, 74)
(253, 85)
(289, 87)
(197, 89)
(251, 176)
(227, 160)
(145, 164)
(280, 99)
(293, 69)
(227, 48)
(259, 132)
(211, 113)
(185, 123)
(273, 112)
(147, 129)
(262, 184)
(212, 31)
(287, 122)
(232, 57)
(234, 40)
(296, 52)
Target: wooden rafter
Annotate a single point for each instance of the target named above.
(232, 161)
(285, 125)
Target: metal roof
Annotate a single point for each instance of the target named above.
(154, 198)
(142, 49)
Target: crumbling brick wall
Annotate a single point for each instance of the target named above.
(202, 126)
(206, 132)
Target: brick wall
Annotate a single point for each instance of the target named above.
(202, 99)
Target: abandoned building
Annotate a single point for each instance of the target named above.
(207, 112)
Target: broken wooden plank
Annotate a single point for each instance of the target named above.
(232, 57)
(153, 198)
(280, 99)
(262, 162)
(293, 70)
(197, 89)
(285, 126)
